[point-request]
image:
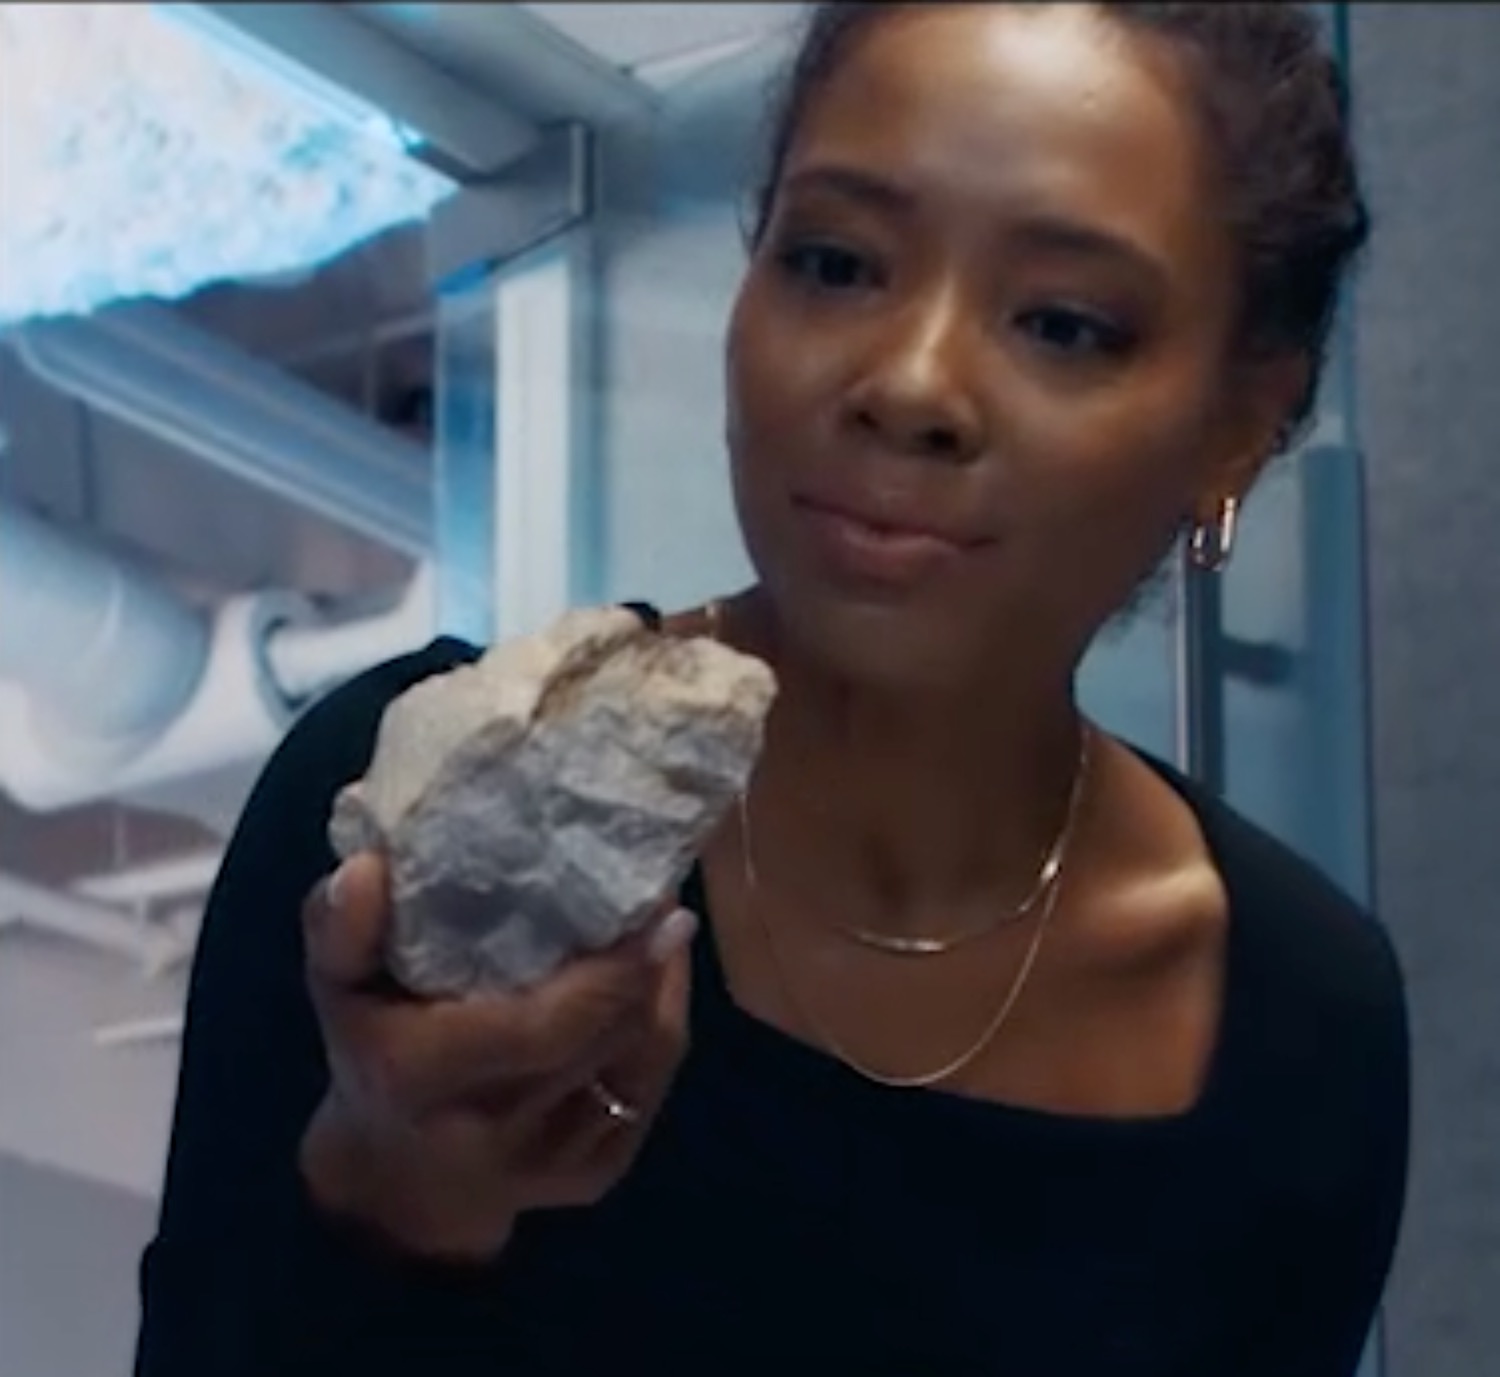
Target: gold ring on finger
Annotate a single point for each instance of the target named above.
(621, 1111)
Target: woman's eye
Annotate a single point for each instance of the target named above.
(828, 267)
(1072, 332)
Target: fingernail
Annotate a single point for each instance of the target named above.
(672, 934)
(333, 890)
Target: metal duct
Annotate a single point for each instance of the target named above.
(148, 368)
(506, 53)
(107, 656)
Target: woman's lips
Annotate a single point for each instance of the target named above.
(877, 550)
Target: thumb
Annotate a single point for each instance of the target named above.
(674, 994)
(345, 920)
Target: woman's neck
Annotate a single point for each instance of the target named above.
(915, 805)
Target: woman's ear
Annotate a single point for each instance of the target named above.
(1265, 397)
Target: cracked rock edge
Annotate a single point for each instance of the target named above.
(545, 799)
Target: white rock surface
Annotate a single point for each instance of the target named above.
(543, 800)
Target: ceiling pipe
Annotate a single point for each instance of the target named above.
(305, 658)
(152, 690)
(108, 657)
(188, 875)
(140, 1032)
(235, 714)
(147, 367)
(30, 907)
(240, 707)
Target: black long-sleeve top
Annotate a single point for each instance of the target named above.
(787, 1216)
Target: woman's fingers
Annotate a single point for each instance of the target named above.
(344, 922)
(580, 1148)
(484, 1107)
(641, 1075)
(419, 1054)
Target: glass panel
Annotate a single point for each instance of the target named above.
(666, 519)
(1291, 663)
(467, 398)
(1128, 682)
(515, 504)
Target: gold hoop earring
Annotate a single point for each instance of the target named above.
(1212, 542)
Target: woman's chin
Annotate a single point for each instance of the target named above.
(890, 648)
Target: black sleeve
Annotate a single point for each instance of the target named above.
(1331, 1287)
(244, 1276)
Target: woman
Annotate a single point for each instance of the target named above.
(1001, 1049)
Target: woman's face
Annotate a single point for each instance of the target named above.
(980, 368)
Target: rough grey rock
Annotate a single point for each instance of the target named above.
(543, 800)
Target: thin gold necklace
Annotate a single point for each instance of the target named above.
(820, 1029)
(896, 944)
(997, 1021)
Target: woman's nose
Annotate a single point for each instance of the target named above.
(914, 394)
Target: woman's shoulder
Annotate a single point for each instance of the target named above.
(1318, 968)
(332, 740)
(376, 687)
(1301, 914)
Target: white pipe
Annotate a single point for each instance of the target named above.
(29, 906)
(240, 707)
(108, 656)
(149, 691)
(235, 713)
(147, 367)
(138, 1032)
(190, 874)
(305, 659)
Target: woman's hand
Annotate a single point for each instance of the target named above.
(445, 1120)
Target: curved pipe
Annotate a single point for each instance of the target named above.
(107, 656)
(152, 690)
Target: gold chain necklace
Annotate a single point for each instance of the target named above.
(894, 944)
(997, 1021)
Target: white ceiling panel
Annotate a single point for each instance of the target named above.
(628, 35)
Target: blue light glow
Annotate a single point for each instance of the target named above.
(137, 159)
